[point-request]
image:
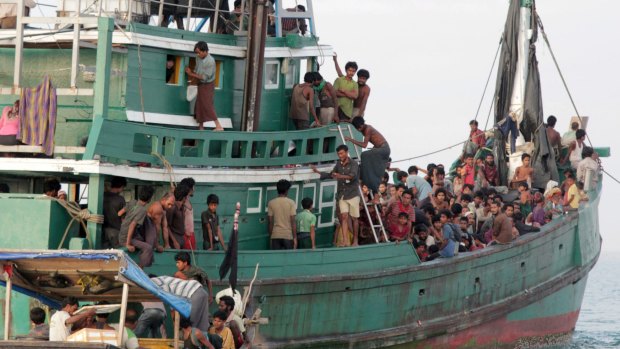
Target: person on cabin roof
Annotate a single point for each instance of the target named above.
(359, 104)
(234, 23)
(113, 208)
(212, 238)
(346, 173)
(302, 103)
(575, 150)
(188, 215)
(294, 25)
(327, 98)
(205, 73)
(187, 271)
(193, 291)
(175, 216)
(374, 161)
(281, 212)
(63, 319)
(347, 91)
(138, 229)
(51, 187)
(40, 329)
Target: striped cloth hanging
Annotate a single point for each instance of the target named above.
(37, 116)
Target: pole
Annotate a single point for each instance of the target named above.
(121, 321)
(75, 51)
(254, 66)
(160, 14)
(177, 324)
(217, 15)
(19, 47)
(7, 308)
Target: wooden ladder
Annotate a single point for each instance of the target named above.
(379, 226)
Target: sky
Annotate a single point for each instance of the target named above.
(429, 61)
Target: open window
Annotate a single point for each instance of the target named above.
(272, 75)
(173, 69)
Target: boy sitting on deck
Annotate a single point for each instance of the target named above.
(306, 223)
(523, 173)
(41, 330)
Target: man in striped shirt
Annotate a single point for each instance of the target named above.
(192, 290)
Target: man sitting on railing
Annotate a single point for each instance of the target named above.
(294, 25)
(374, 161)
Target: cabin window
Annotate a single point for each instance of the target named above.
(272, 75)
(290, 70)
(219, 73)
(173, 69)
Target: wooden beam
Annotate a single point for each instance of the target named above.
(177, 324)
(19, 45)
(121, 321)
(7, 308)
(75, 51)
(60, 149)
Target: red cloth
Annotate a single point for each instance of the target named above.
(398, 232)
(190, 242)
(469, 175)
(478, 138)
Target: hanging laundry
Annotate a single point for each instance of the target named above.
(37, 116)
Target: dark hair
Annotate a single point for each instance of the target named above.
(37, 315)
(229, 301)
(201, 46)
(350, 65)
(574, 125)
(283, 186)
(363, 73)
(408, 192)
(401, 174)
(551, 120)
(220, 315)
(580, 133)
(146, 193)
(471, 187)
(464, 219)
(181, 192)
(466, 197)
(441, 190)
(524, 184)
(302, 8)
(189, 181)
(440, 171)
(446, 213)
(524, 156)
(420, 228)
(185, 322)
(183, 257)
(400, 186)
(213, 199)
(4, 188)
(51, 184)
(118, 182)
(587, 152)
(309, 77)
(473, 122)
(133, 318)
(456, 209)
(70, 300)
(435, 218)
(403, 214)
(358, 122)
(306, 203)
(318, 76)
(413, 170)
(506, 206)
(429, 208)
(237, 3)
(478, 194)
(342, 147)
(517, 217)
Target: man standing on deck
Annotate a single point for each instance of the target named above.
(205, 73)
(188, 215)
(302, 104)
(374, 161)
(113, 204)
(346, 172)
(157, 213)
(175, 216)
(359, 104)
(347, 91)
(281, 212)
(138, 230)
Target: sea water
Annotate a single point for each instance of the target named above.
(598, 326)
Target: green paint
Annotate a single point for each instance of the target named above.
(104, 58)
(95, 206)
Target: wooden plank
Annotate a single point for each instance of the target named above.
(7, 308)
(59, 149)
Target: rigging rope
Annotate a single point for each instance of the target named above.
(484, 92)
(77, 215)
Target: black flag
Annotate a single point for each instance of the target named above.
(230, 259)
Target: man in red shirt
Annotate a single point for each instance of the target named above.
(468, 176)
(402, 205)
(476, 136)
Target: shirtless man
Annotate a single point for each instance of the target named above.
(524, 172)
(157, 213)
(373, 161)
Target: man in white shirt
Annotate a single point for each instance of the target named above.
(589, 163)
(62, 321)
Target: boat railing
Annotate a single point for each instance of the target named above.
(122, 142)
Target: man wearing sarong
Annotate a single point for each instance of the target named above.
(205, 73)
(374, 161)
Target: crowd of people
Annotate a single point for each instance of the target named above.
(224, 329)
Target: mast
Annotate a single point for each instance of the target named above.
(517, 101)
(254, 65)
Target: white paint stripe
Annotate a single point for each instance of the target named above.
(172, 119)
